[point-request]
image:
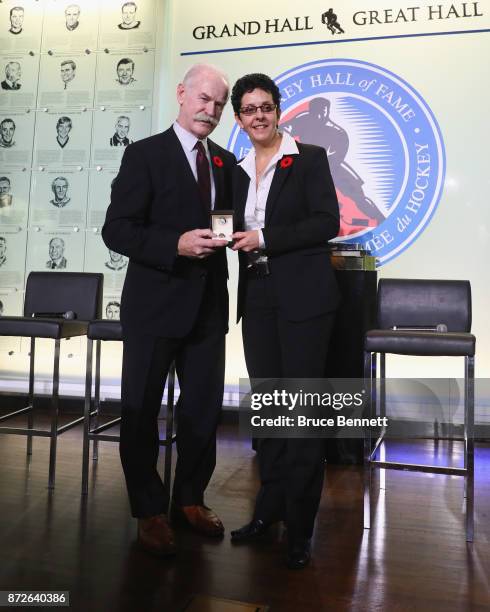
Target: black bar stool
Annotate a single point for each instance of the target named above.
(51, 296)
(109, 330)
(424, 318)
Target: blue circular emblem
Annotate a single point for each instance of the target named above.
(383, 143)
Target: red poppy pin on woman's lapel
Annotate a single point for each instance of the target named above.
(286, 161)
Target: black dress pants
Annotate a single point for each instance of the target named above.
(291, 470)
(200, 363)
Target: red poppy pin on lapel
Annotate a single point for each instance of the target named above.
(218, 161)
(286, 161)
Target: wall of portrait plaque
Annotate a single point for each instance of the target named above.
(18, 81)
(14, 197)
(59, 197)
(114, 130)
(11, 304)
(67, 80)
(101, 259)
(100, 183)
(12, 257)
(71, 26)
(55, 249)
(16, 131)
(127, 25)
(20, 25)
(63, 137)
(76, 88)
(125, 78)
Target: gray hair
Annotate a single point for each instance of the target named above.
(197, 69)
(8, 71)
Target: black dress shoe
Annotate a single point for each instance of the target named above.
(298, 554)
(250, 531)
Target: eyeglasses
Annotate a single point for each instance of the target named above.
(267, 107)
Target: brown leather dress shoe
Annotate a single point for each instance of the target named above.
(201, 518)
(156, 536)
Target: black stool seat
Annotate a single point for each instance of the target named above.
(104, 329)
(41, 328)
(427, 343)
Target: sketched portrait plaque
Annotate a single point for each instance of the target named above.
(63, 137)
(18, 81)
(100, 184)
(71, 26)
(99, 259)
(125, 79)
(11, 302)
(67, 80)
(12, 257)
(14, 197)
(56, 250)
(127, 25)
(11, 305)
(16, 130)
(111, 306)
(20, 26)
(114, 130)
(59, 198)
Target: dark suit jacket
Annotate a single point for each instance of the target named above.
(301, 215)
(115, 142)
(6, 85)
(154, 200)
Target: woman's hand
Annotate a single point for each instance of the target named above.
(246, 241)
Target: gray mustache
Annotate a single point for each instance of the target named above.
(206, 119)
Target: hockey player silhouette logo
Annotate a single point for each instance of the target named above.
(315, 126)
(329, 18)
(383, 143)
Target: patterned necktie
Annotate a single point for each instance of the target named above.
(203, 176)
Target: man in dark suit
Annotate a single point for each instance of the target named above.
(174, 304)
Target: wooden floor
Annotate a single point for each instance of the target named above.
(414, 558)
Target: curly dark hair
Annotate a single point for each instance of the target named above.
(248, 83)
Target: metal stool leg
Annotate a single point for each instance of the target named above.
(469, 444)
(30, 414)
(54, 415)
(382, 412)
(368, 378)
(98, 348)
(86, 421)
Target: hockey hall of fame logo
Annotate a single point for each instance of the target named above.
(383, 144)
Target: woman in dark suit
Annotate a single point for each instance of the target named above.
(286, 210)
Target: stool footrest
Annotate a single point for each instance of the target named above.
(414, 467)
(17, 412)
